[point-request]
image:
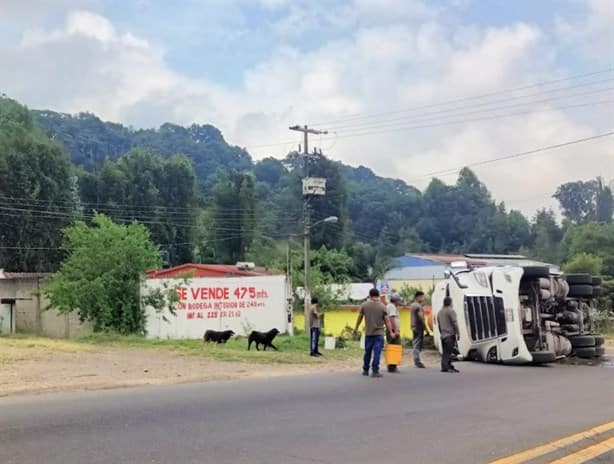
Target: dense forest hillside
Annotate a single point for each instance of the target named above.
(89, 141)
(205, 200)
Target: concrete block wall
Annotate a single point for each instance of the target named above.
(31, 313)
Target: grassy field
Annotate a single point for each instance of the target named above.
(22, 347)
(292, 350)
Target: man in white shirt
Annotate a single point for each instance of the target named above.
(395, 319)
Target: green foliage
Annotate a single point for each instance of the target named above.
(234, 216)
(463, 218)
(545, 238)
(292, 350)
(155, 191)
(36, 193)
(604, 202)
(408, 293)
(101, 276)
(90, 141)
(604, 319)
(583, 202)
(594, 238)
(248, 209)
(584, 263)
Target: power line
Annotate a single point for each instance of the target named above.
(388, 128)
(331, 123)
(514, 156)
(464, 121)
(462, 112)
(464, 99)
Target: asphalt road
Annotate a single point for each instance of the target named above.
(417, 416)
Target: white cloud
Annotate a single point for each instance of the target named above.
(384, 63)
(592, 33)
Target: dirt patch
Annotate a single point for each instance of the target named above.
(35, 370)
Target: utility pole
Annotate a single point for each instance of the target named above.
(306, 130)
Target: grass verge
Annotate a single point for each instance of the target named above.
(292, 350)
(22, 347)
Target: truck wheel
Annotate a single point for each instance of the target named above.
(545, 294)
(582, 341)
(596, 281)
(581, 291)
(597, 291)
(599, 340)
(599, 351)
(586, 352)
(579, 279)
(570, 327)
(534, 272)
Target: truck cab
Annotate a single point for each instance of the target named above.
(517, 315)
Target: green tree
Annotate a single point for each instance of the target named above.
(101, 275)
(158, 192)
(595, 238)
(546, 235)
(36, 193)
(584, 263)
(583, 202)
(234, 216)
(604, 203)
(363, 261)
(578, 200)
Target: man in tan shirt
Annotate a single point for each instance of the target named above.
(376, 322)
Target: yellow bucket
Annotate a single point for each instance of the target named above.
(394, 354)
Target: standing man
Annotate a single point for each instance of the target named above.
(448, 329)
(315, 324)
(376, 322)
(418, 326)
(395, 319)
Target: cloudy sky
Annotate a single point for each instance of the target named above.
(405, 87)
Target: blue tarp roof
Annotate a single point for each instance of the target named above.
(413, 261)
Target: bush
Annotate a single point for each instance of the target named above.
(101, 277)
(584, 263)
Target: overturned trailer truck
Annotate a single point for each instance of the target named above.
(520, 314)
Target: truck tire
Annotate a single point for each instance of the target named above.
(599, 351)
(535, 272)
(596, 281)
(579, 279)
(589, 352)
(582, 341)
(581, 291)
(545, 294)
(571, 327)
(570, 317)
(599, 340)
(597, 291)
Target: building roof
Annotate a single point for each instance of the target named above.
(417, 261)
(448, 258)
(208, 270)
(22, 275)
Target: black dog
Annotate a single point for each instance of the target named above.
(262, 338)
(217, 337)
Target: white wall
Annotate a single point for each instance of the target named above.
(235, 303)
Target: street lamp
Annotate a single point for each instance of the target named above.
(307, 286)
